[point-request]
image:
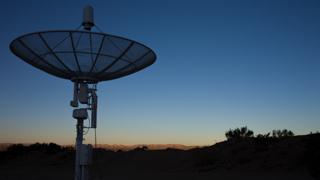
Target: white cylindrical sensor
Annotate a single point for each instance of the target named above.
(88, 21)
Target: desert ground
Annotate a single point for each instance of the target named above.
(292, 158)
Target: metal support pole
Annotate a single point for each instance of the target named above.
(78, 145)
(83, 157)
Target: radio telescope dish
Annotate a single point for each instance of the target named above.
(82, 56)
(86, 58)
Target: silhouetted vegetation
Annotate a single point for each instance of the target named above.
(141, 148)
(239, 133)
(263, 136)
(244, 132)
(50, 148)
(317, 132)
(282, 133)
(20, 149)
(17, 149)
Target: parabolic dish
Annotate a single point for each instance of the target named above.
(82, 55)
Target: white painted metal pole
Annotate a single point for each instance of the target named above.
(82, 152)
(79, 139)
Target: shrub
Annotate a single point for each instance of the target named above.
(263, 136)
(17, 149)
(238, 133)
(37, 147)
(53, 148)
(50, 148)
(141, 148)
(282, 133)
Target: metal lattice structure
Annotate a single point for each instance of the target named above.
(82, 55)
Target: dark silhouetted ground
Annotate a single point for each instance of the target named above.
(289, 158)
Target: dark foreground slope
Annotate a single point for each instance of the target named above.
(266, 158)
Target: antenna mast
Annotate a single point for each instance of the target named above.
(86, 95)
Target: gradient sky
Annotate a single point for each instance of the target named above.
(221, 64)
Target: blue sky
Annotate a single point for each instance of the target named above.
(221, 64)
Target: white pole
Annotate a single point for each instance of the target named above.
(83, 152)
(79, 139)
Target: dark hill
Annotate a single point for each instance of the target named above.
(291, 158)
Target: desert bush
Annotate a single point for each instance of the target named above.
(238, 133)
(141, 148)
(17, 149)
(282, 133)
(44, 147)
(263, 136)
(38, 147)
(53, 148)
(262, 142)
(317, 132)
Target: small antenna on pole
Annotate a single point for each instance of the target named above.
(88, 21)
